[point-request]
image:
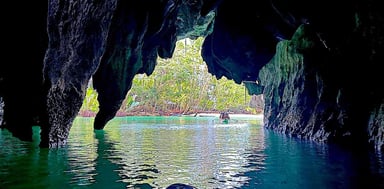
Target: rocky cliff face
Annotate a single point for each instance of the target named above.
(21, 75)
(317, 64)
(306, 98)
(317, 88)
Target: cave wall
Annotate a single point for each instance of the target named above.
(138, 35)
(301, 98)
(22, 54)
(322, 83)
(77, 34)
(317, 64)
(323, 92)
(110, 42)
(376, 128)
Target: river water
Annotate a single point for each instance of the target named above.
(155, 152)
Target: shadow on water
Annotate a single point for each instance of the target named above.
(297, 163)
(154, 152)
(104, 167)
(110, 160)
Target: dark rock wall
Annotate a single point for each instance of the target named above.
(297, 99)
(1, 110)
(77, 33)
(317, 88)
(123, 57)
(192, 22)
(317, 63)
(24, 41)
(371, 22)
(139, 34)
(111, 42)
(244, 39)
(375, 127)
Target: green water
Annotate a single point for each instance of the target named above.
(155, 152)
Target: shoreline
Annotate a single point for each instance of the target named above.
(201, 114)
(256, 116)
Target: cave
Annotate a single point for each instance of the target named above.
(318, 64)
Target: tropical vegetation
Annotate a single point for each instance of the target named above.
(179, 85)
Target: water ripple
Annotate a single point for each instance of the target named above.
(155, 153)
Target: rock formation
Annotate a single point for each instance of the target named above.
(316, 63)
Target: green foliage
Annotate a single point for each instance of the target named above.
(90, 103)
(181, 84)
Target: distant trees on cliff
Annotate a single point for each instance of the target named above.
(180, 85)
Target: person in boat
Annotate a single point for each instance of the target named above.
(224, 117)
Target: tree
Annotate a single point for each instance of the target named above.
(180, 85)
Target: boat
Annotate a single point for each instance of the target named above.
(224, 117)
(224, 121)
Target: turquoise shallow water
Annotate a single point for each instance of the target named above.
(155, 152)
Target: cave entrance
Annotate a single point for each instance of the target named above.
(183, 85)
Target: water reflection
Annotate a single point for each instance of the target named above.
(295, 163)
(153, 152)
(82, 157)
(105, 165)
(159, 154)
(25, 165)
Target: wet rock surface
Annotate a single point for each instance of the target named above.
(317, 64)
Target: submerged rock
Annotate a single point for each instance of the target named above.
(180, 186)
